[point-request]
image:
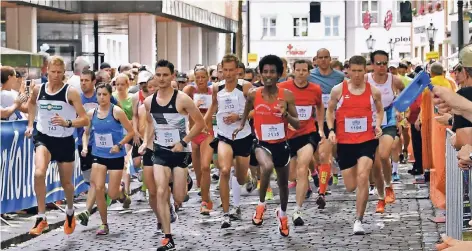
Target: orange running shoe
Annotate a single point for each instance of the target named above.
(167, 244)
(40, 227)
(389, 195)
(69, 224)
(283, 224)
(258, 219)
(206, 208)
(380, 207)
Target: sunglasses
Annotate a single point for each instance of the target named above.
(214, 78)
(381, 63)
(248, 80)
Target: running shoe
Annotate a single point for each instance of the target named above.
(395, 177)
(187, 197)
(251, 185)
(330, 181)
(173, 214)
(372, 190)
(166, 244)
(335, 179)
(389, 195)
(292, 184)
(83, 218)
(235, 214)
(40, 227)
(108, 200)
(358, 228)
(297, 219)
(206, 208)
(103, 230)
(258, 217)
(69, 224)
(140, 175)
(309, 192)
(269, 194)
(321, 201)
(226, 222)
(380, 207)
(141, 196)
(282, 222)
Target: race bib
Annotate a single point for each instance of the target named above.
(203, 99)
(103, 140)
(273, 132)
(325, 98)
(90, 106)
(51, 129)
(355, 125)
(304, 112)
(230, 104)
(168, 137)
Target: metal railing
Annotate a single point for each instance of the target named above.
(458, 188)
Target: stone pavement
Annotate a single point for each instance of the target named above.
(404, 226)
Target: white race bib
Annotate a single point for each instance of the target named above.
(50, 129)
(168, 137)
(355, 125)
(90, 106)
(273, 132)
(205, 100)
(103, 140)
(304, 112)
(325, 98)
(229, 104)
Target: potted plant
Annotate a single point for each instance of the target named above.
(430, 8)
(438, 6)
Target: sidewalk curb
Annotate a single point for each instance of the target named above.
(26, 236)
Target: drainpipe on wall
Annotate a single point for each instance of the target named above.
(345, 30)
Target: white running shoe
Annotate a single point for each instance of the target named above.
(358, 229)
(141, 196)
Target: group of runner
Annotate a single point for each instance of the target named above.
(312, 124)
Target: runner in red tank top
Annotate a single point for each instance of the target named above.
(202, 153)
(304, 141)
(357, 140)
(274, 109)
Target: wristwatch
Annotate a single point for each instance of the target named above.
(240, 116)
(69, 123)
(120, 145)
(331, 130)
(183, 143)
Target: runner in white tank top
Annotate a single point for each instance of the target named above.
(60, 111)
(389, 86)
(229, 99)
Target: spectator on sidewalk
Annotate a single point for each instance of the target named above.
(12, 103)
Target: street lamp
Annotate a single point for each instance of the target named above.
(370, 43)
(392, 47)
(431, 33)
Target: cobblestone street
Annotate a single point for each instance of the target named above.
(404, 226)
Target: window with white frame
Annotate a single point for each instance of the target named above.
(269, 26)
(300, 27)
(373, 8)
(331, 24)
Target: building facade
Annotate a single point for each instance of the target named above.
(296, 30)
(385, 27)
(182, 31)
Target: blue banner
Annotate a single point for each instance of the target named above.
(17, 171)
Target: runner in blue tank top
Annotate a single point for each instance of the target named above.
(89, 100)
(107, 123)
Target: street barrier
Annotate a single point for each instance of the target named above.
(458, 188)
(17, 171)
